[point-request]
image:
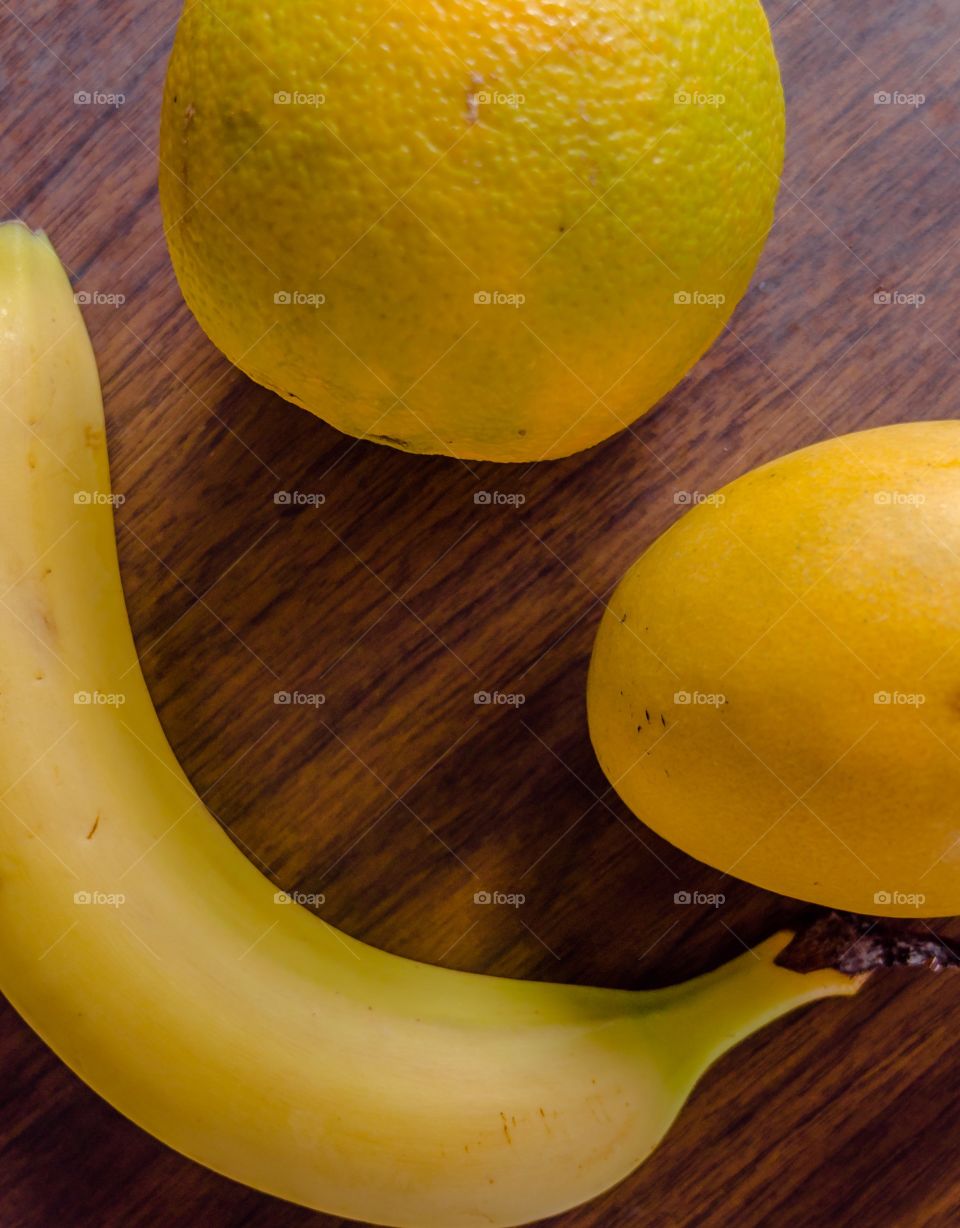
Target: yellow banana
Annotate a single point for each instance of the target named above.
(159, 964)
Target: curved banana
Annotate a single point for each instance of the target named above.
(157, 962)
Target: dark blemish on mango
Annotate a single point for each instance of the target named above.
(96, 824)
(397, 443)
(506, 1128)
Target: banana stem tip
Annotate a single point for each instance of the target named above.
(855, 945)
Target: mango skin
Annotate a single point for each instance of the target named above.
(775, 684)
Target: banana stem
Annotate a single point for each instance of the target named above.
(857, 944)
(699, 1020)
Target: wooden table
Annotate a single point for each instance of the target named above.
(400, 597)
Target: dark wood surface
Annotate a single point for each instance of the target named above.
(400, 598)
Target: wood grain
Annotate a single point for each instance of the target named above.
(400, 597)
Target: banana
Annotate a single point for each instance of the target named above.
(160, 966)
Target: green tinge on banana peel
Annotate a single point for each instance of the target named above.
(165, 970)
